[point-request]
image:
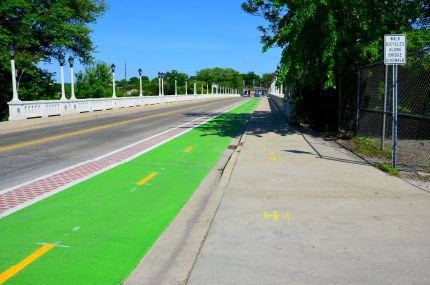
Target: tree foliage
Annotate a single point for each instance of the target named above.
(251, 79)
(169, 82)
(321, 37)
(95, 82)
(40, 30)
(227, 77)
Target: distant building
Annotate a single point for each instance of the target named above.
(252, 90)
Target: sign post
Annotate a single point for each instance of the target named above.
(394, 54)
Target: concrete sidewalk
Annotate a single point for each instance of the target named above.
(301, 210)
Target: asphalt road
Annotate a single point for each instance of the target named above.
(29, 154)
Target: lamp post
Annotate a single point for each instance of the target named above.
(12, 64)
(195, 87)
(61, 61)
(207, 88)
(159, 83)
(72, 77)
(113, 80)
(140, 77)
(162, 84)
(176, 87)
(186, 86)
(202, 88)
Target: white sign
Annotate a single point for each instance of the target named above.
(394, 49)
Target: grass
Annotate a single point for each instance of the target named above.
(371, 147)
(339, 135)
(387, 168)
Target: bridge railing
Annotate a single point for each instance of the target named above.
(281, 97)
(21, 110)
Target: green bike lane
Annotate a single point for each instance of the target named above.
(96, 231)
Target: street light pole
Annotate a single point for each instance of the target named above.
(162, 83)
(12, 64)
(202, 88)
(176, 87)
(195, 87)
(140, 77)
(159, 83)
(61, 61)
(186, 86)
(207, 88)
(72, 77)
(113, 80)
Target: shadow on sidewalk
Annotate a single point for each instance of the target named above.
(278, 122)
(273, 121)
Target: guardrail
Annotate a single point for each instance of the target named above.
(22, 110)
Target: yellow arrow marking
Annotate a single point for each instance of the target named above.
(188, 149)
(9, 273)
(147, 178)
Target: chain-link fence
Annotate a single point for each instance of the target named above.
(365, 107)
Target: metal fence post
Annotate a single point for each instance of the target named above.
(339, 103)
(394, 132)
(358, 103)
(384, 114)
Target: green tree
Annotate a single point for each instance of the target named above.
(266, 79)
(321, 37)
(169, 82)
(40, 30)
(251, 79)
(95, 82)
(223, 76)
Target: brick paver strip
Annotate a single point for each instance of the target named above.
(15, 198)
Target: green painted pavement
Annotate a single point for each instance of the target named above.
(107, 221)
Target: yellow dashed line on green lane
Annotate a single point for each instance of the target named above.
(189, 149)
(9, 273)
(147, 178)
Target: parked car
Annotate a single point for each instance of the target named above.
(245, 95)
(257, 94)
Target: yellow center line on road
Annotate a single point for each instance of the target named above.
(147, 178)
(47, 139)
(9, 273)
(188, 149)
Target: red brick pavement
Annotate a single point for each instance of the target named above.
(16, 198)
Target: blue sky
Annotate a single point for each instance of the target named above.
(182, 35)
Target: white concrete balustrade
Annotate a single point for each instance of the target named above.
(282, 99)
(21, 110)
